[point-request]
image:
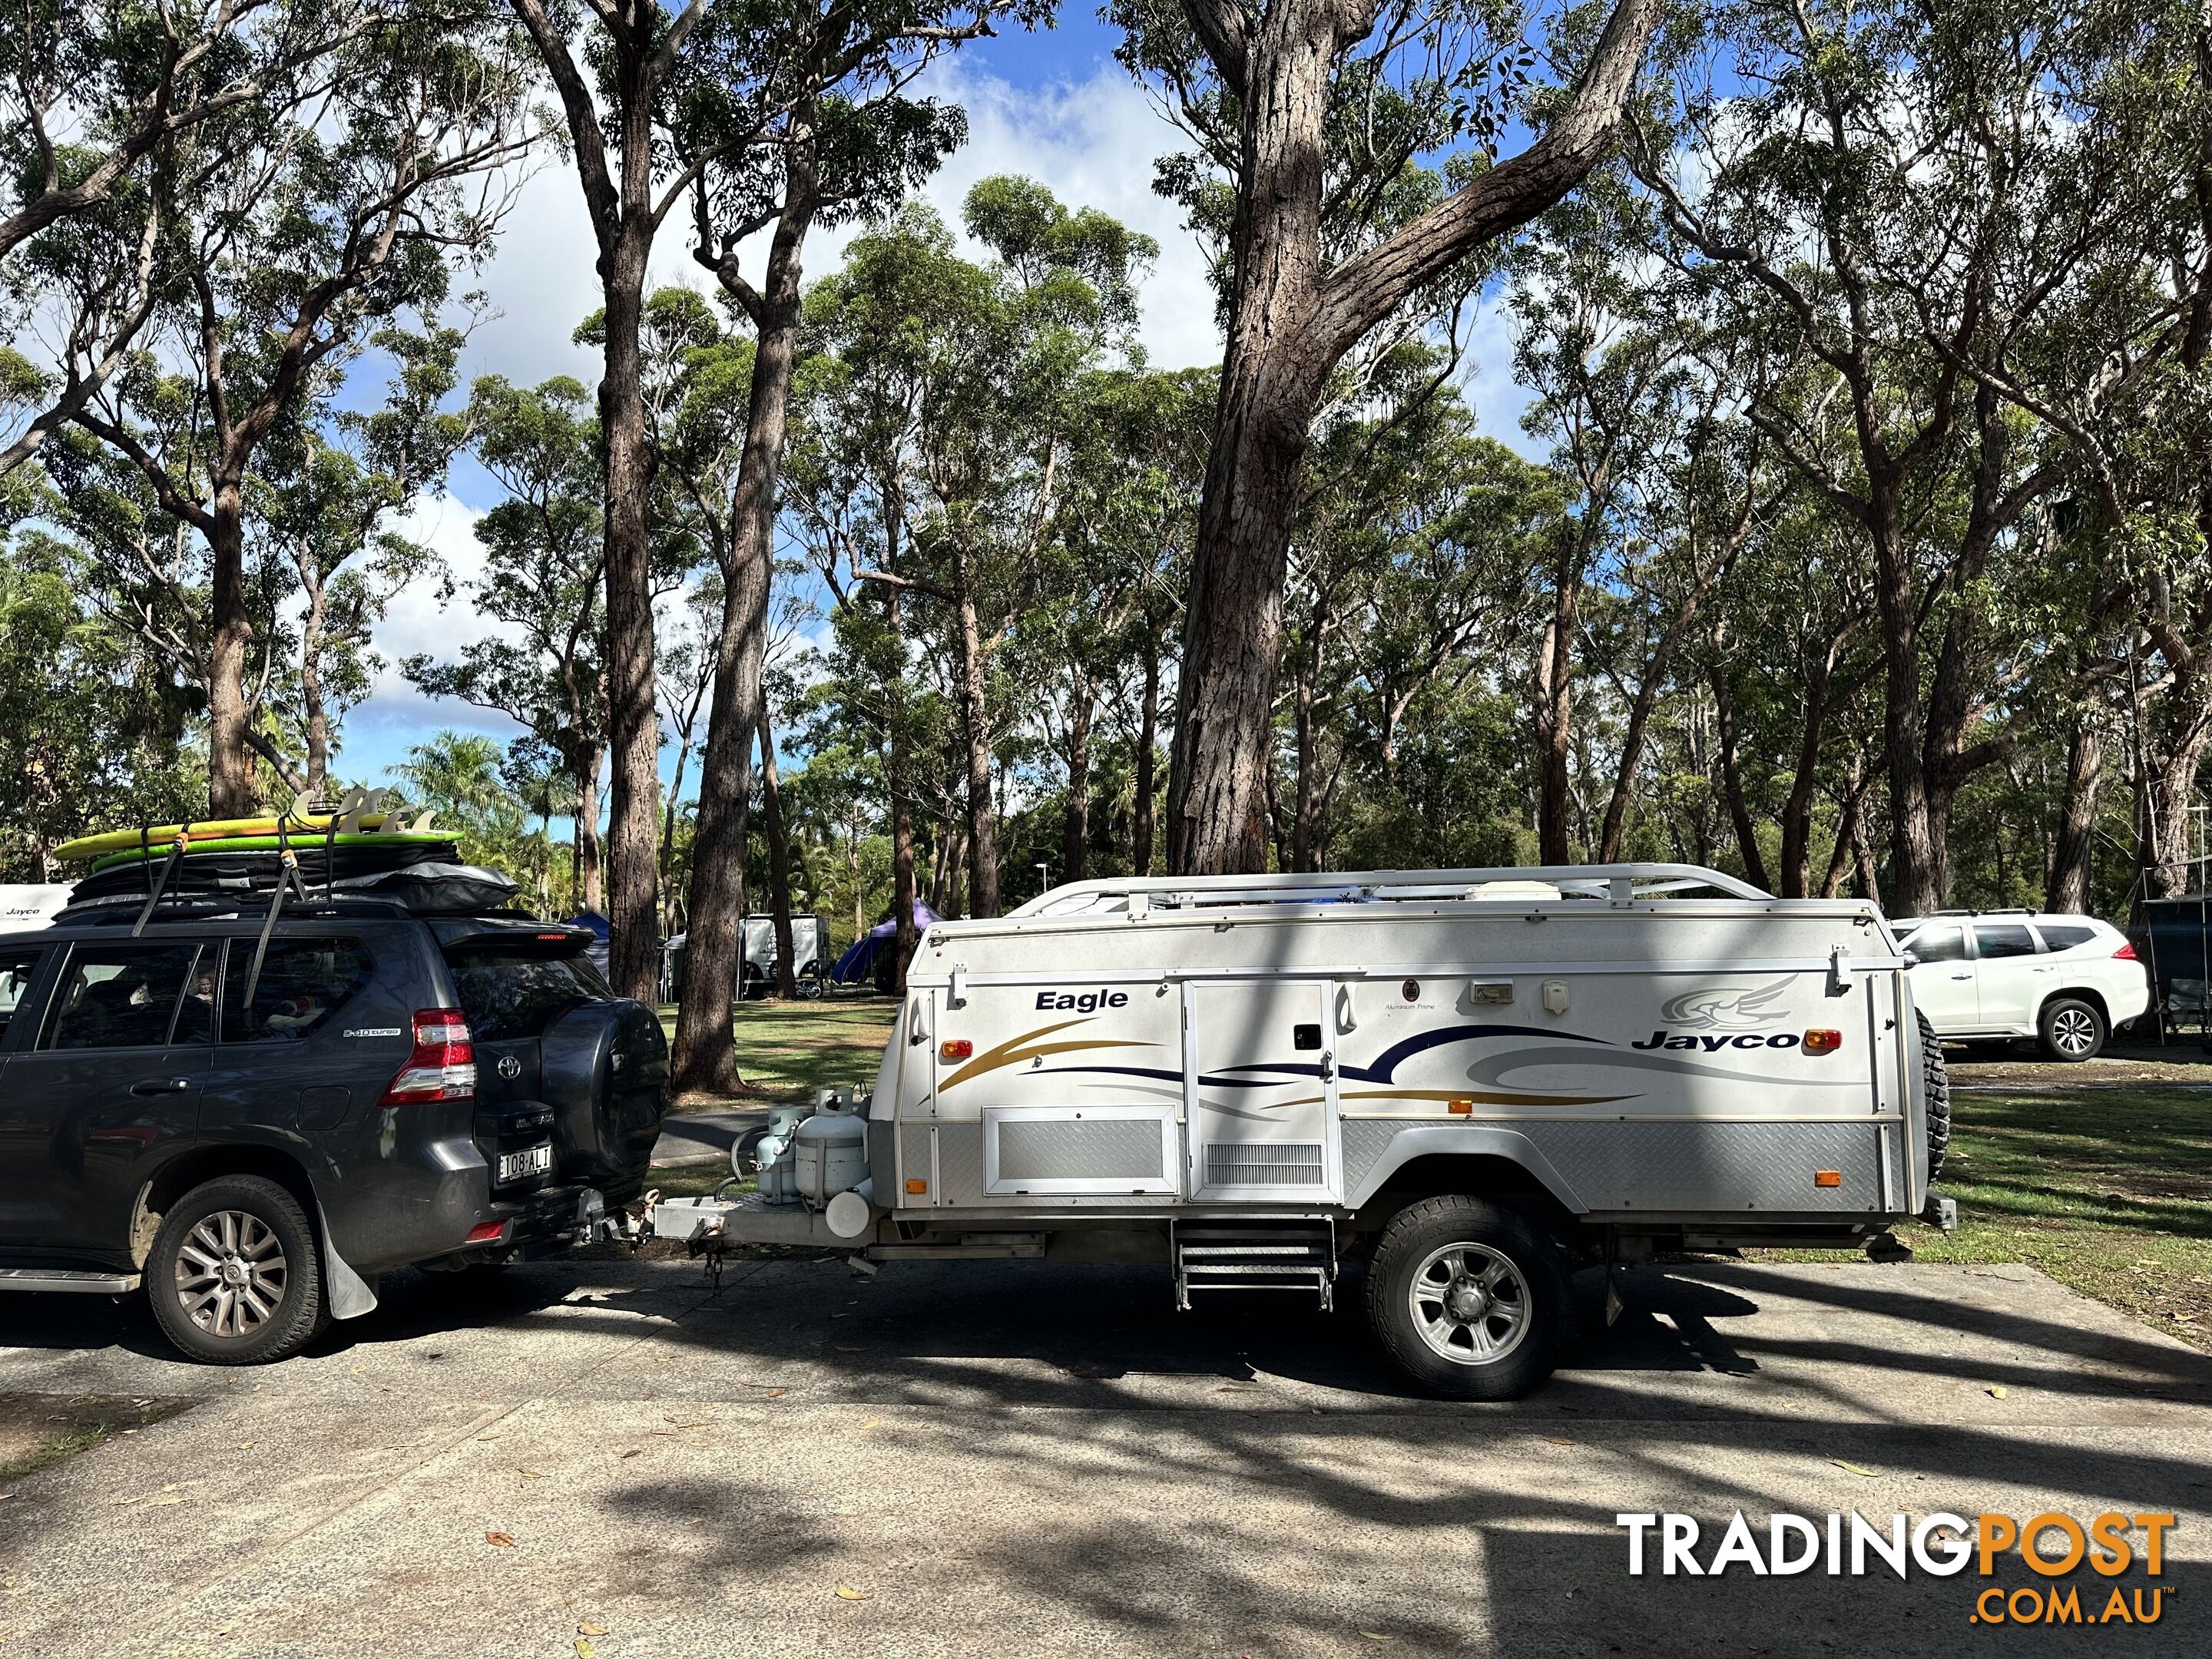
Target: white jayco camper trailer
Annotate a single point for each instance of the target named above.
(1470, 1081)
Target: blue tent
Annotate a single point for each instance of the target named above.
(857, 966)
(595, 953)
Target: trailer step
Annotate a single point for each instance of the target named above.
(1256, 1255)
(68, 1279)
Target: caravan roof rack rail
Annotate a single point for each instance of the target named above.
(1615, 883)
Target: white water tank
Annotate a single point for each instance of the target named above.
(829, 1155)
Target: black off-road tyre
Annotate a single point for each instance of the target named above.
(248, 1237)
(2071, 1029)
(1486, 1275)
(1935, 1084)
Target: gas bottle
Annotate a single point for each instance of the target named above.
(830, 1153)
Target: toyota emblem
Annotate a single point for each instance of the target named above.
(509, 1067)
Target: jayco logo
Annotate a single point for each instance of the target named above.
(1714, 1009)
(1717, 1018)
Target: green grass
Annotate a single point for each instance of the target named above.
(2110, 1193)
(38, 1431)
(790, 1048)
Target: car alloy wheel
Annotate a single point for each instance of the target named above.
(2073, 1030)
(231, 1274)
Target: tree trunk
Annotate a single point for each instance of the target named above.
(1746, 833)
(779, 861)
(1555, 694)
(633, 709)
(1075, 817)
(1291, 322)
(895, 772)
(231, 793)
(1306, 802)
(976, 721)
(1850, 834)
(1147, 782)
(705, 1058)
(311, 703)
(591, 862)
(705, 1050)
(2068, 893)
(1804, 783)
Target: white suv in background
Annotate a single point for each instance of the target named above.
(2065, 980)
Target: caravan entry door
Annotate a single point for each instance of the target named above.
(1260, 1090)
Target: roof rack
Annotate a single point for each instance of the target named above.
(125, 908)
(1615, 883)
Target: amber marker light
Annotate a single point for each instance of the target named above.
(1823, 1042)
(955, 1049)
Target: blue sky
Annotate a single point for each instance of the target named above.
(1052, 105)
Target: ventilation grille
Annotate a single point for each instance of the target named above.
(1263, 1164)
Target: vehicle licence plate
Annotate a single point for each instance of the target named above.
(532, 1160)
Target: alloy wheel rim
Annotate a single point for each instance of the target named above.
(2073, 1030)
(1470, 1303)
(231, 1274)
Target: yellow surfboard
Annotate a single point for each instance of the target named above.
(161, 836)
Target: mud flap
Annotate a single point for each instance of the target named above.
(347, 1291)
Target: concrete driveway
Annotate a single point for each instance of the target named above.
(1015, 1459)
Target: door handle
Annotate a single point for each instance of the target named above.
(161, 1085)
(1962, 976)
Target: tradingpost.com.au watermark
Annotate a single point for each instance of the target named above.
(1941, 1546)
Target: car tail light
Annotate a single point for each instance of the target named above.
(955, 1049)
(2126, 953)
(1823, 1042)
(443, 1065)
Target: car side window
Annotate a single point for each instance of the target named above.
(1938, 944)
(18, 968)
(131, 996)
(1992, 941)
(2061, 937)
(304, 983)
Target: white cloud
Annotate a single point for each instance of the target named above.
(1091, 143)
(397, 714)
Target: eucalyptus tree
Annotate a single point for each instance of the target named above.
(954, 395)
(1109, 585)
(1882, 232)
(615, 101)
(321, 220)
(542, 587)
(326, 495)
(93, 725)
(1312, 118)
(103, 104)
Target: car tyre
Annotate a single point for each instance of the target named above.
(2071, 1029)
(1469, 1299)
(1935, 1089)
(235, 1274)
